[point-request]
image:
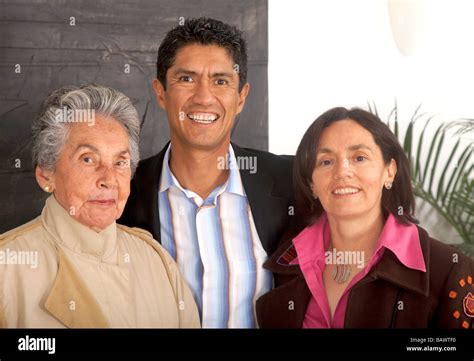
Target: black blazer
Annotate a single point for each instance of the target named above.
(269, 192)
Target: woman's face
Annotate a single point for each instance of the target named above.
(350, 173)
(92, 176)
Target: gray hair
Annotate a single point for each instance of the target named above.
(50, 134)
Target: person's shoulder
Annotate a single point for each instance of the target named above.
(145, 238)
(150, 164)
(451, 282)
(442, 249)
(284, 158)
(448, 265)
(443, 253)
(135, 231)
(150, 160)
(25, 232)
(138, 235)
(281, 165)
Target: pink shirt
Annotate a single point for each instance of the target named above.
(313, 241)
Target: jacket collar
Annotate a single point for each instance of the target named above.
(392, 270)
(388, 268)
(280, 262)
(262, 178)
(71, 302)
(264, 194)
(147, 180)
(77, 237)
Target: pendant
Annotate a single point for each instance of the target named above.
(341, 273)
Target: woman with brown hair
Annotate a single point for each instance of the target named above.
(357, 258)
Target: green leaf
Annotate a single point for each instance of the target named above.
(430, 153)
(436, 160)
(408, 141)
(457, 170)
(439, 193)
(462, 164)
(417, 174)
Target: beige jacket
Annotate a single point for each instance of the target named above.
(56, 272)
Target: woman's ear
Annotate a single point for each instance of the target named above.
(392, 170)
(315, 196)
(45, 179)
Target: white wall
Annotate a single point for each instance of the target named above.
(327, 53)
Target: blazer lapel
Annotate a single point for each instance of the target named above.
(71, 302)
(284, 306)
(143, 209)
(373, 303)
(390, 269)
(265, 200)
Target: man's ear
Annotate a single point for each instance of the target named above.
(160, 93)
(242, 96)
(45, 178)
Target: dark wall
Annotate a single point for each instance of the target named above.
(107, 35)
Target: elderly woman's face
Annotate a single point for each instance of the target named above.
(92, 176)
(350, 172)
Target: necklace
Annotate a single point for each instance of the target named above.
(341, 272)
(341, 261)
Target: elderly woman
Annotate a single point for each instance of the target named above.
(89, 271)
(357, 259)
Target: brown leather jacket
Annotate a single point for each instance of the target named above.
(389, 296)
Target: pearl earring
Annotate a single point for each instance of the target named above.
(388, 185)
(48, 189)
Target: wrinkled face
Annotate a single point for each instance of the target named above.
(92, 175)
(202, 96)
(350, 172)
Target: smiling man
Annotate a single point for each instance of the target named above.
(217, 208)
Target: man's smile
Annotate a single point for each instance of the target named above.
(203, 117)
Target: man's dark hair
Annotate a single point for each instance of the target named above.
(204, 31)
(400, 195)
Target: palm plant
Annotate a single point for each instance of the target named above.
(450, 193)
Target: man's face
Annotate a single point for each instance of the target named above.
(202, 96)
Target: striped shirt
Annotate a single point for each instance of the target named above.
(216, 246)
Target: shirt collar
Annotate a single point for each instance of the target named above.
(308, 243)
(233, 184)
(166, 179)
(72, 234)
(402, 240)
